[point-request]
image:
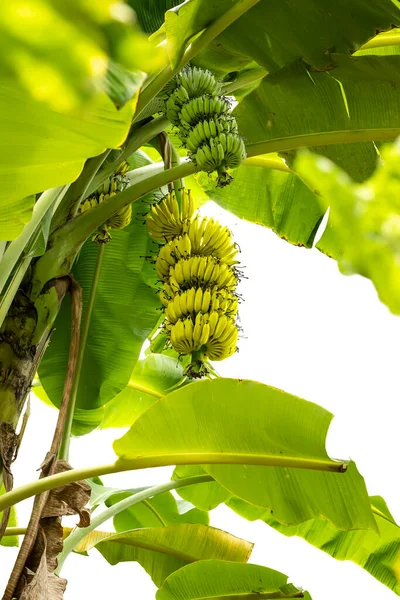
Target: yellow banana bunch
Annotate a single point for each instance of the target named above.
(167, 219)
(208, 237)
(119, 220)
(196, 300)
(179, 247)
(196, 267)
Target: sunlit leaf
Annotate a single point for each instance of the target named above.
(364, 221)
(211, 419)
(41, 148)
(59, 52)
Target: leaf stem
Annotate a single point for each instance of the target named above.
(268, 162)
(137, 137)
(145, 462)
(208, 35)
(66, 437)
(84, 224)
(10, 531)
(142, 388)
(244, 79)
(155, 512)
(78, 534)
(324, 138)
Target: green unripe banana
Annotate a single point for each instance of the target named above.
(206, 127)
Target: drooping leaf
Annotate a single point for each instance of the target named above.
(377, 553)
(126, 308)
(205, 496)
(276, 33)
(42, 148)
(159, 511)
(163, 550)
(243, 423)
(204, 580)
(272, 198)
(357, 100)
(363, 232)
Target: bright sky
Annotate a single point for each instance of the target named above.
(309, 331)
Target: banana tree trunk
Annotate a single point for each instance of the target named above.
(23, 339)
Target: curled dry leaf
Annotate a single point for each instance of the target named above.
(68, 500)
(38, 581)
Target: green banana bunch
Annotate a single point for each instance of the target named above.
(206, 127)
(209, 129)
(196, 266)
(119, 220)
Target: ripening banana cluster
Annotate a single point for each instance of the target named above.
(206, 127)
(196, 265)
(122, 218)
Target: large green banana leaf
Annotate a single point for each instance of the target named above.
(223, 580)
(363, 232)
(378, 553)
(42, 148)
(276, 32)
(163, 550)
(356, 101)
(126, 309)
(240, 423)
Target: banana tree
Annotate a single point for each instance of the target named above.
(111, 142)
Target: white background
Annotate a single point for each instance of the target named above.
(310, 331)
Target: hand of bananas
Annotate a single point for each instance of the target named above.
(206, 127)
(122, 218)
(196, 266)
